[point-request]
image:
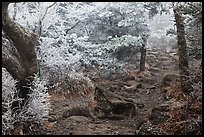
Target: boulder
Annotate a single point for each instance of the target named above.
(77, 111)
(52, 118)
(133, 86)
(115, 88)
(168, 78)
(147, 80)
(113, 105)
(158, 115)
(78, 119)
(163, 118)
(128, 78)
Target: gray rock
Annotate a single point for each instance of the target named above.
(154, 69)
(52, 118)
(148, 80)
(77, 111)
(168, 78)
(157, 116)
(134, 86)
(128, 78)
(140, 105)
(112, 104)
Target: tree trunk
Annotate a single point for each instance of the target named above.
(18, 52)
(15, 11)
(182, 51)
(143, 58)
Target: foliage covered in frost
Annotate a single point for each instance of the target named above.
(8, 97)
(193, 20)
(69, 31)
(160, 27)
(35, 110)
(29, 14)
(81, 36)
(38, 104)
(125, 40)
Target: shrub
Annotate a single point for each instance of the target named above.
(35, 110)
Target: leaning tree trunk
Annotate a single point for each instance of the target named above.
(183, 55)
(143, 58)
(18, 53)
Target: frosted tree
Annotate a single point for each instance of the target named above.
(68, 30)
(24, 97)
(192, 11)
(181, 40)
(18, 52)
(118, 20)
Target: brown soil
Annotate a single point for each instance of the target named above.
(147, 96)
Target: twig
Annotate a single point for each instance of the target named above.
(72, 27)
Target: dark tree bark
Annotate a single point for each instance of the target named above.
(18, 53)
(183, 54)
(143, 58)
(15, 11)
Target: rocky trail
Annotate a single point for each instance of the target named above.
(133, 103)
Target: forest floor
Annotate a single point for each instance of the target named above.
(158, 85)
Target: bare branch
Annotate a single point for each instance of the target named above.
(47, 10)
(39, 28)
(15, 11)
(87, 31)
(51, 5)
(72, 27)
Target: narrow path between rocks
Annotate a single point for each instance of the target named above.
(144, 91)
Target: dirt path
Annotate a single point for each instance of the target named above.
(145, 98)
